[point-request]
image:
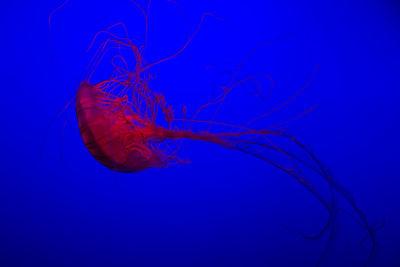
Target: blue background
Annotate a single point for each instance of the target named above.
(225, 208)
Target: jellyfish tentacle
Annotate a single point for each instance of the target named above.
(185, 45)
(346, 194)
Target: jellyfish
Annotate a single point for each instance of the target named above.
(129, 128)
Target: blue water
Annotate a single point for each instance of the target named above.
(225, 208)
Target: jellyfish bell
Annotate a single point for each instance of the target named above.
(113, 134)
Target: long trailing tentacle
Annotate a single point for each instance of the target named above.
(332, 183)
(345, 193)
(237, 141)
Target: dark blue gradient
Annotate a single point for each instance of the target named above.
(225, 208)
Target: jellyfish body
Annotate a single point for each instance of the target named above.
(110, 135)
